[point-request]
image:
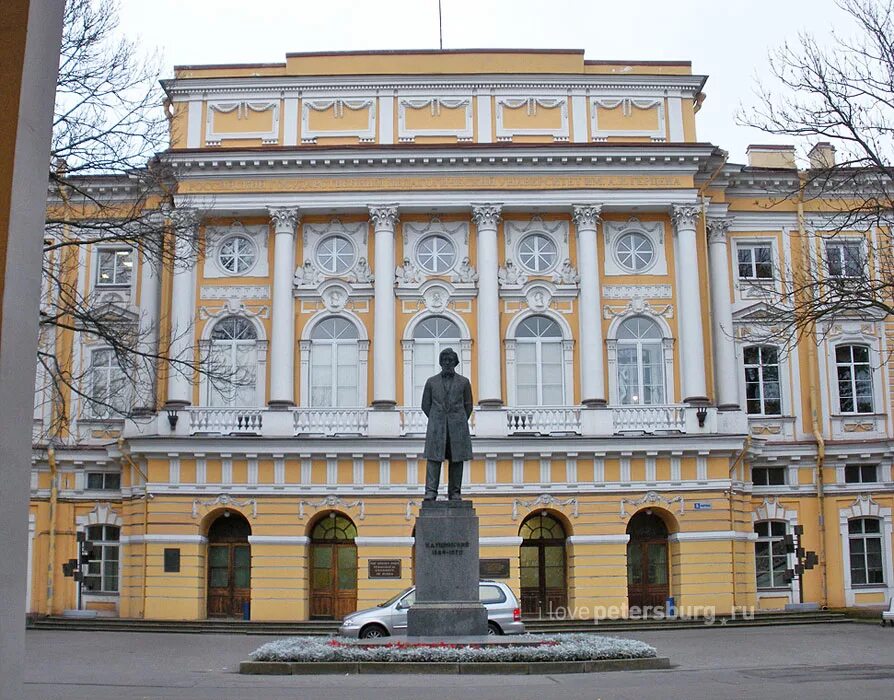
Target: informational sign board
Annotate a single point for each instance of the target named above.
(384, 568)
(493, 568)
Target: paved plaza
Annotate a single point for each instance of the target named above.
(819, 662)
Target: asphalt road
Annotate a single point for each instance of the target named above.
(819, 662)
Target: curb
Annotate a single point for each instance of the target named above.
(302, 668)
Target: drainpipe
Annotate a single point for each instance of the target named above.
(732, 543)
(127, 458)
(813, 368)
(51, 556)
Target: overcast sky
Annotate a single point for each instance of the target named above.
(728, 41)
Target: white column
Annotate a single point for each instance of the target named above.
(592, 371)
(150, 289)
(282, 345)
(384, 219)
(486, 218)
(725, 371)
(183, 294)
(691, 335)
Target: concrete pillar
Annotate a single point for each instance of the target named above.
(150, 300)
(486, 218)
(183, 298)
(384, 220)
(282, 346)
(586, 219)
(725, 370)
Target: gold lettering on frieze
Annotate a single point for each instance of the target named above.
(447, 182)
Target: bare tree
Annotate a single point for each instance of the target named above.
(836, 95)
(108, 191)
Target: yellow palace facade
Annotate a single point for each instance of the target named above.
(598, 270)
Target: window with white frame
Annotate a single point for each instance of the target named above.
(762, 389)
(436, 254)
(635, 251)
(537, 253)
(861, 474)
(770, 558)
(334, 364)
(844, 258)
(335, 255)
(234, 363)
(540, 373)
(430, 337)
(854, 374)
(865, 544)
(754, 261)
(102, 568)
(237, 255)
(640, 362)
(768, 476)
(108, 386)
(103, 481)
(114, 267)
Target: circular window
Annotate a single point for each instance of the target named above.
(335, 255)
(435, 254)
(537, 253)
(237, 255)
(635, 252)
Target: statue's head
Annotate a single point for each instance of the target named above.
(448, 359)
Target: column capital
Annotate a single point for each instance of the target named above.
(487, 215)
(684, 215)
(586, 215)
(285, 219)
(718, 226)
(384, 216)
(185, 218)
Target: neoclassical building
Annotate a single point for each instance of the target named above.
(601, 274)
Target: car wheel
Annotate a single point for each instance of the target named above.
(373, 632)
(493, 628)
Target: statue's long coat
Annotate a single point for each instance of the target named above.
(444, 410)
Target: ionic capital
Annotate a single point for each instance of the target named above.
(486, 215)
(384, 216)
(284, 219)
(586, 216)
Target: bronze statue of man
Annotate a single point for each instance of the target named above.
(447, 402)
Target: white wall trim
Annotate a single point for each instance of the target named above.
(598, 539)
(300, 540)
(166, 539)
(499, 541)
(384, 541)
(711, 536)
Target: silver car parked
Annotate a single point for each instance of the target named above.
(390, 617)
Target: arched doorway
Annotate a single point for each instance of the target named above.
(229, 565)
(542, 565)
(333, 576)
(647, 565)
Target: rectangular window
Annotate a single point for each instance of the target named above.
(854, 373)
(860, 474)
(102, 569)
(844, 258)
(755, 261)
(762, 388)
(865, 540)
(108, 385)
(770, 558)
(103, 481)
(114, 267)
(768, 476)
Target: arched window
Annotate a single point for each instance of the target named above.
(770, 558)
(854, 378)
(539, 375)
(542, 565)
(762, 394)
(865, 543)
(334, 364)
(234, 362)
(430, 336)
(640, 362)
(333, 576)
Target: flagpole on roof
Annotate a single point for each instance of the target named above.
(440, 27)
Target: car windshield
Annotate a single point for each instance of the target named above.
(393, 599)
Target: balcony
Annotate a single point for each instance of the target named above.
(409, 421)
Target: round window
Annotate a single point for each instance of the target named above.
(537, 253)
(435, 254)
(635, 252)
(335, 255)
(237, 255)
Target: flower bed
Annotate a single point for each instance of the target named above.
(559, 647)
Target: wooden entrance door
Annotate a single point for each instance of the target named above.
(333, 565)
(647, 569)
(229, 566)
(542, 566)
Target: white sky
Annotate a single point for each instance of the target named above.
(728, 41)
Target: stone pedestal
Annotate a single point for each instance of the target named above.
(447, 602)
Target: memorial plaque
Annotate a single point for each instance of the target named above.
(493, 568)
(384, 568)
(172, 560)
